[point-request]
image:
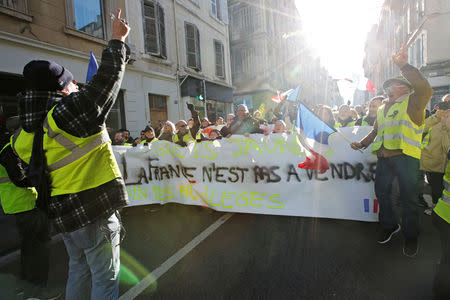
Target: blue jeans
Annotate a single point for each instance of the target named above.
(406, 169)
(94, 260)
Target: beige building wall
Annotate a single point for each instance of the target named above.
(43, 32)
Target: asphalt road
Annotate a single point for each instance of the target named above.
(257, 257)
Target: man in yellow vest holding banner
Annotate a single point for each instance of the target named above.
(396, 137)
(64, 130)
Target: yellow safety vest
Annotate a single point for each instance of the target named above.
(340, 125)
(145, 141)
(396, 130)
(442, 208)
(15, 199)
(75, 164)
(187, 138)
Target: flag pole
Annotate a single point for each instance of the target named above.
(347, 139)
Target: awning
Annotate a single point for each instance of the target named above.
(214, 91)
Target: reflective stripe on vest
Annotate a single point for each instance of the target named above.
(186, 138)
(426, 140)
(76, 151)
(75, 164)
(442, 208)
(396, 130)
(15, 199)
(398, 136)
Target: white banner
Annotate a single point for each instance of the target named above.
(256, 174)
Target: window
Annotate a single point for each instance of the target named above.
(158, 109)
(245, 19)
(19, 5)
(192, 46)
(216, 9)
(154, 29)
(220, 59)
(87, 16)
(116, 116)
(248, 61)
(157, 102)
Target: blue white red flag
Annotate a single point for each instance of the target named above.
(310, 126)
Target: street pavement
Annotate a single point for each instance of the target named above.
(256, 257)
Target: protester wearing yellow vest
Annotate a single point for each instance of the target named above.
(396, 137)
(185, 135)
(344, 118)
(19, 200)
(435, 145)
(149, 134)
(441, 220)
(374, 104)
(64, 130)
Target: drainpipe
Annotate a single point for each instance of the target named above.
(178, 59)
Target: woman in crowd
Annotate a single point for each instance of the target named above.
(344, 118)
(326, 114)
(149, 134)
(214, 135)
(167, 132)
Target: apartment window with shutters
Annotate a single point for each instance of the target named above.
(216, 9)
(116, 116)
(220, 59)
(154, 29)
(86, 16)
(192, 46)
(19, 5)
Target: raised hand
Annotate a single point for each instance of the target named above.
(120, 28)
(401, 58)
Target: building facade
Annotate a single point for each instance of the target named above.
(430, 52)
(174, 45)
(268, 54)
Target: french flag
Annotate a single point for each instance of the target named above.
(311, 128)
(367, 206)
(291, 95)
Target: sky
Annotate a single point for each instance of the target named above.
(336, 31)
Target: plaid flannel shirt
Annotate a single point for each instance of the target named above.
(82, 114)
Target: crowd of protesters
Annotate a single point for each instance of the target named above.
(84, 207)
(409, 141)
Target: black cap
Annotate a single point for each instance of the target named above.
(46, 75)
(147, 128)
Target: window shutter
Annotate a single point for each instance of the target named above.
(214, 7)
(218, 48)
(162, 32)
(151, 31)
(197, 48)
(219, 9)
(224, 6)
(190, 45)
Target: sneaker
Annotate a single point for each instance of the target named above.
(386, 234)
(428, 211)
(410, 248)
